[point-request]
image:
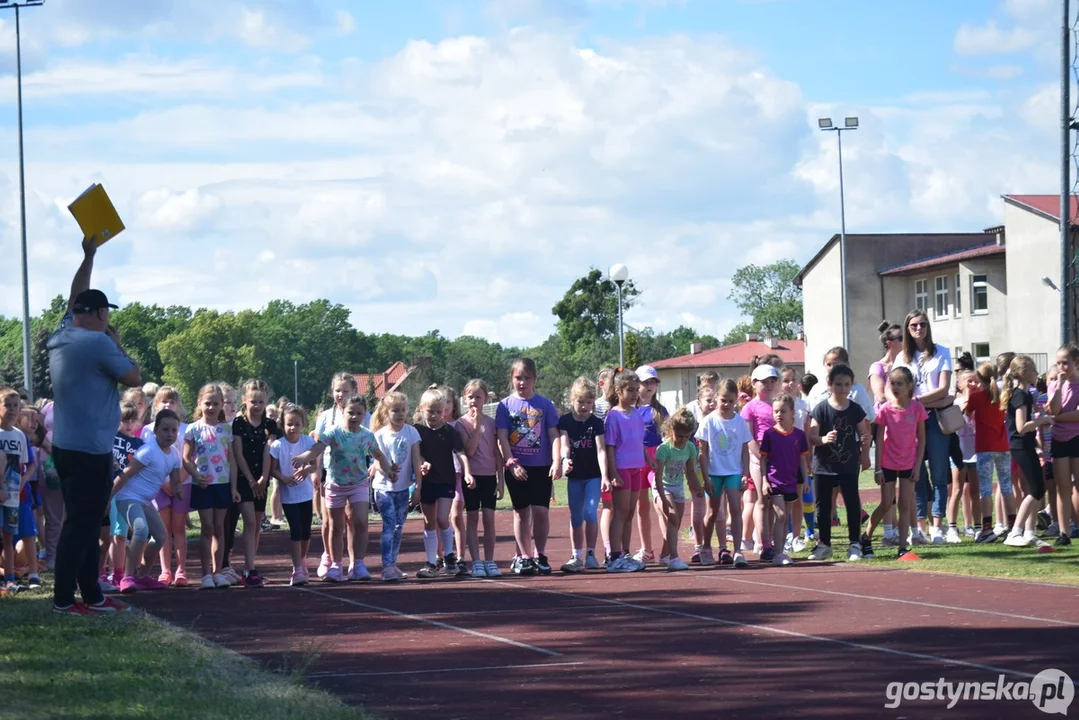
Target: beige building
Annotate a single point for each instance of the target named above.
(983, 291)
(680, 376)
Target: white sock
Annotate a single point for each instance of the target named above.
(1028, 533)
(447, 539)
(430, 544)
(579, 554)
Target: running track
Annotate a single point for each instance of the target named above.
(808, 641)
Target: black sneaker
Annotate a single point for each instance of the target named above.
(450, 564)
(768, 554)
(439, 564)
(985, 536)
(1075, 534)
(462, 570)
(527, 566)
(902, 551)
(1043, 520)
(542, 565)
(1063, 541)
(867, 547)
(253, 579)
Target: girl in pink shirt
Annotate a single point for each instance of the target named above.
(1064, 407)
(758, 413)
(488, 481)
(900, 448)
(623, 431)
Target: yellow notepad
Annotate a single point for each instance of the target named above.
(96, 215)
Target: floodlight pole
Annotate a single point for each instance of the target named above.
(1065, 180)
(27, 368)
(827, 126)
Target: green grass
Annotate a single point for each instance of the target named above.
(132, 665)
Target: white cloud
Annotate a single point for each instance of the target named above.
(345, 22)
(989, 39)
(165, 210)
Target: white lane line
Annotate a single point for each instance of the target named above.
(781, 631)
(435, 623)
(499, 611)
(876, 598)
(320, 676)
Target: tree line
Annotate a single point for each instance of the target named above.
(187, 347)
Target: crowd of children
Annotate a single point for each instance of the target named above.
(761, 460)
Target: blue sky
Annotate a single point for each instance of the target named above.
(455, 165)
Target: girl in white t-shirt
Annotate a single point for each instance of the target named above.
(155, 464)
(400, 443)
(342, 386)
(297, 488)
(172, 508)
(704, 405)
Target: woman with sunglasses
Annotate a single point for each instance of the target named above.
(931, 365)
(891, 337)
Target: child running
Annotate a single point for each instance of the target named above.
(297, 493)
(154, 464)
(440, 444)
(627, 464)
(527, 426)
(347, 484)
(173, 509)
(1018, 403)
(400, 443)
(252, 434)
(584, 463)
(836, 428)
(209, 461)
(480, 437)
(724, 440)
(784, 451)
(900, 443)
(676, 461)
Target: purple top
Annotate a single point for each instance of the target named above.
(652, 436)
(783, 452)
(625, 433)
(758, 414)
(528, 422)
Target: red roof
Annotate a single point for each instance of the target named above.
(791, 351)
(945, 259)
(1046, 205)
(383, 382)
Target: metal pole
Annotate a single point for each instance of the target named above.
(843, 247)
(296, 381)
(1065, 181)
(621, 341)
(28, 376)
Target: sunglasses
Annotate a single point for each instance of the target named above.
(918, 326)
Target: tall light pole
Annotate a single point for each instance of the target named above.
(27, 370)
(826, 125)
(1066, 123)
(296, 381)
(619, 274)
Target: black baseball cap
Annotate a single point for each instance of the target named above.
(90, 300)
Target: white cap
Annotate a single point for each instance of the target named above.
(647, 372)
(763, 372)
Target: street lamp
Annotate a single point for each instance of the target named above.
(1049, 283)
(826, 125)
(296, 381)
(28, 378)
(619, 274)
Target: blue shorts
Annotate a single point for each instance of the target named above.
(117, 522)
(9, 520)
(27, 524)
(719, 483)
(215, 497)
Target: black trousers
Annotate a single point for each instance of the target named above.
(848, 485)
(86, 482)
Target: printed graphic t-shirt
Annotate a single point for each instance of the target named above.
(844, 455)
(212, 446)
(528, 422)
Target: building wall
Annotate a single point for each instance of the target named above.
(1033, 252)
(821, 312)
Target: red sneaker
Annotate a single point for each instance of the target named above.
(73, 609)
(107, 606)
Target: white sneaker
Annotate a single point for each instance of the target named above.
(665, 561)
(798, 544)
(219, 581)
(821, 552)
(781, 559)
(969, 532)
(677, 563)
(936, 536)
(747, 545)
(479, 570)
(492, 569)
(758, 548)
(917, 537)
(645, 556)
(323, 565)
(952, 537)
(739, 560)
(855, 553)
(1018, 540)
(207, 583)
(890, 540)
(788, 544)
(1001, 530)
(573, 565)
(706, 556)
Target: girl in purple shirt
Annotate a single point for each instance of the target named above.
(627, 464)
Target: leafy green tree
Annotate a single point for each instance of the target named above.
(214, 346)
(143, 327)
(769, 298)
(590, 307)
(738, 333)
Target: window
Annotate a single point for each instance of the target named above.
(942, 293)
(921, 294)
(956, 352)
(958, 297)
(980, 351)
(979, 294)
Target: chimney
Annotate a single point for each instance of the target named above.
(801, 336)
(752, 337)
(771, 342)
(1000, 237)
(694, 348)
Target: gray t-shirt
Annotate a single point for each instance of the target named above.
(85, 366)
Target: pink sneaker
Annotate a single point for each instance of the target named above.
(298, 578)
(145, 582)
(165, 577)
(117, 577)
(129, 585)
(181, 579)
(324, 565)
